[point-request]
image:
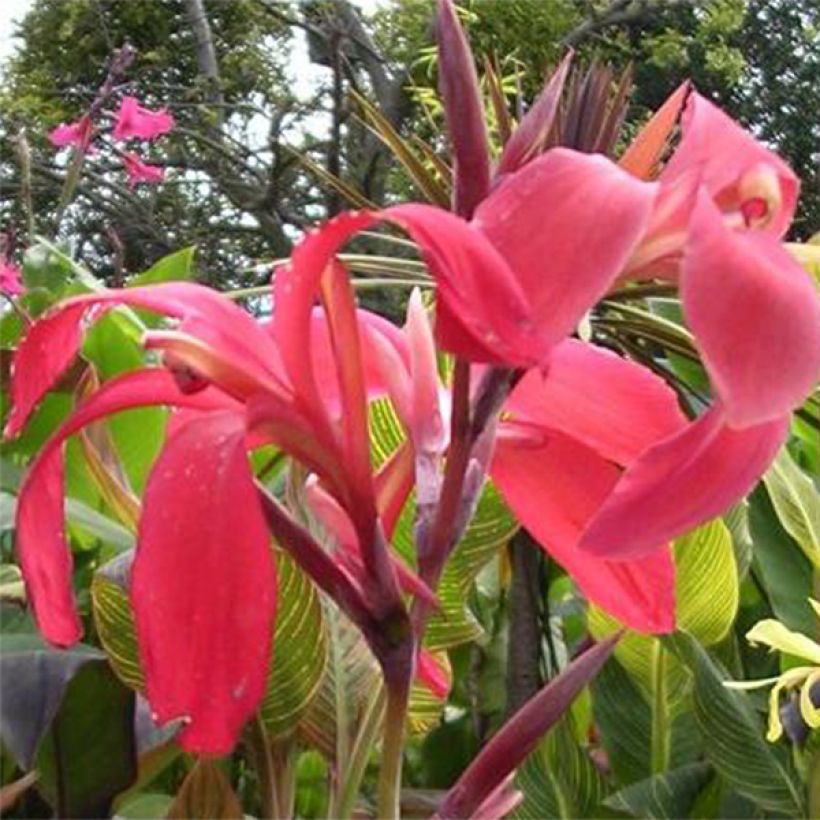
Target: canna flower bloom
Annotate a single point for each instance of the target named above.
(76, 133)
(10, 282)
(778, 638)
(134, 121)
(554, 457)
(205, 525)
(723, 203)
(139, 171)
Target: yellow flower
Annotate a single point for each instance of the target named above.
(773, 634)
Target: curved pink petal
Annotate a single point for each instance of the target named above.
(554, 490)
(566, 224)
(338, 523)
(615, 406)
(203, 585)
(680, 483)
(482, 311)
(41, 543)
(52, 342)
(755, 314)
(723, 153)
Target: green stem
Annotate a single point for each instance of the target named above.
(814, 785)
(352, 777)
(390, 773)
(660, 711)
(263, 763)
(283, 755)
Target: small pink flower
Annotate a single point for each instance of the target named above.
(139, 171)
(10, 282)
(75, 133)
(135, 121)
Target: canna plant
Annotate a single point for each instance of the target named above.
(591, 452)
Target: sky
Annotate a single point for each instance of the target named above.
(10, 10)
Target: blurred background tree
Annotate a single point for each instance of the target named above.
(258, 86)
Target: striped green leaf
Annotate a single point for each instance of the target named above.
(559, 779)
(733, 736)
(668, 795)
(797, 503)
(300, 642)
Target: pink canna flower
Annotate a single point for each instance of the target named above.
(234, 384)
(724, 201)
(76, 133)
(11, 282)
(139, 171)
(134, 121)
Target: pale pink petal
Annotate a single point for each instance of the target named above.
(203, 585)
(680, 483)
(755, 313)
(554, 490)
(615, 406)
(566, 224)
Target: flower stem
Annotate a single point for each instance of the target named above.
(353, 773)
(660, 711)
(390, 774)
(263, 763)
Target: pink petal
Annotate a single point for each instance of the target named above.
(615, 406)
(76, 133)
(723, 153)
(554, 490)
(680, 483)
(566, 224)
(41, 544)
(52, 342)
(340, 312)
(482, 312)
(433, 675)
(10, 281)
(394, 483)
(135, 121)
(464, 112)
(139, 171)
(429, 432)
(203, 585)
(338, 524)
(756, 317)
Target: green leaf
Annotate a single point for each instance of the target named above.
(34, 678)
(299, 647)
(138, 435)
(99, 525)
(797, 503)
(42, 268)
(89, 755)
(559, 779)
(733, 736)
(176, 267)
(669, 795)
(349, 680)
(624, 719)
(782, 567)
